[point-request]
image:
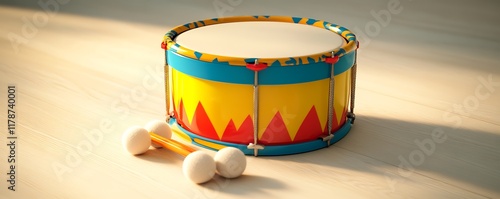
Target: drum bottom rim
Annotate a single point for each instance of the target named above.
(269, 150)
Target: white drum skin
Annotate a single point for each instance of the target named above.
(260, 39)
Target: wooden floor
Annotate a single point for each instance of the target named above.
(427, 102)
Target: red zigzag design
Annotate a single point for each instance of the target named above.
(275, 133)
(242, 135)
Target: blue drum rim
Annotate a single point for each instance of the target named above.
(272, 75)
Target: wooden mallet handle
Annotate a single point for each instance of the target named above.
(172, 145)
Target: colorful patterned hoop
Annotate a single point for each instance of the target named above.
(170, 44)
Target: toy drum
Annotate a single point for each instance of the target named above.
(268, 85)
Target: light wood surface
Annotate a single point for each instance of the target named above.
(95, 68)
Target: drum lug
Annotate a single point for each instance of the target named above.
(169, 116)
(255, 147)
(256, 66)
(352, 116)
(327, 138)
(332, 60)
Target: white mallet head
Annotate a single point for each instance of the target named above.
(160, 128)
(199, 167)
(136, 140)
(230, 162)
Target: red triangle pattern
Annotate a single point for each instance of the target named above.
(276, 132)
(182, 117)
(242, 135)
(336, 126)
(201, 123)
(178, 113)
(343, 119)
(310, 128)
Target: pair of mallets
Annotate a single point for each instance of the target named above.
(198, 166)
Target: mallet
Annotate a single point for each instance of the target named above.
(198, 166)
(230, 162)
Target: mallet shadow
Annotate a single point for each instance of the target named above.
(161, 156)
(243, 185)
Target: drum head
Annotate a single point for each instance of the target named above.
(260, 39)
